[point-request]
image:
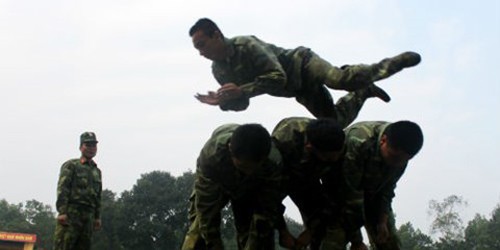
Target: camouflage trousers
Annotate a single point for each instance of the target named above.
(337, 238)
(254, 232)
(318, 75)
(78, 234)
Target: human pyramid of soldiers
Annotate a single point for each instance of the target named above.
(340, 176)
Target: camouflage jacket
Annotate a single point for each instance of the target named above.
(218, 182)
(302, 171)
(259, 68)
(369, 183)
(79, 184)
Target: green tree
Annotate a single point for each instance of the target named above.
(447, 222)
(413, 239)
(483, 234)
(107, 237)
(447, 219)
(153, 213)
(12, 218)
(42, 222)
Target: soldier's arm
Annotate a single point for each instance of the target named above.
(64, 187)
(270, 77)
(385, 196)
(352, 170)
(209, 201)
(97, 213)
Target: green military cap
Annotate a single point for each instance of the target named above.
(88, 137)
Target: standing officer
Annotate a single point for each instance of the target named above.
(79, 198)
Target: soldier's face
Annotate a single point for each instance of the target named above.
(89, 149)
(247, 167)
(324, 156)
(393, 157)
(327, 156)
(211, 48)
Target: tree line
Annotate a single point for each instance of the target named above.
(153, 215)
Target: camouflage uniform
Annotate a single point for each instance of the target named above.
(305, 177)
(367, 187)
(262, 68)
(79, 197)
(255, 200)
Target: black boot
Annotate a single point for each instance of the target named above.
(373, 91)
(393, 65)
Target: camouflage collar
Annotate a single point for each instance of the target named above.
(229, 49)
(84, 160)
(382, 130)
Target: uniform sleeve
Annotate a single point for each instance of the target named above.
(270, 199)
(386, 195)
(209, 201)
(353, 169)
(306, 194)
(64, 187)
(269, 77)
(237, 104)
(272, 77)
(97, 213)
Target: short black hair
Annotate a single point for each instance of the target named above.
(325, 134)
(406, 136)
(206, 25)
(250, 142)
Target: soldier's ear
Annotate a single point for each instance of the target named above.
(217, 35)
(383, 140)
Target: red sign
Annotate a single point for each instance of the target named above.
(17, 237)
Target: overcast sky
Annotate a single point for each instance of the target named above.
(127, 71)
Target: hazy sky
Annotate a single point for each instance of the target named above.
(127, 71)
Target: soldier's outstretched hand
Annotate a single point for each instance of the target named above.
(210, 98)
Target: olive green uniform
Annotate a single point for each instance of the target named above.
(255, 200)
(305, 178)
(367, 187)
(263, 68)
(79, 197)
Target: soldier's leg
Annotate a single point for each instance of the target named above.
(335, 238)
(318, 101)
(66, 237)
(353, 77)
(347, 107)
(392, 65)
(84, 242)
